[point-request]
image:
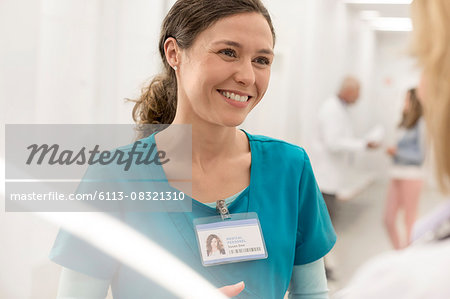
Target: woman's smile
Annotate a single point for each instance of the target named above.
(235, 98)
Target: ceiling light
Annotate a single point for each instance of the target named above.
(368, 15)
(392, 24)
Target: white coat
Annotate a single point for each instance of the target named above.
(333, 142)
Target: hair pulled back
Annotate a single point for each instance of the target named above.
(184, 22)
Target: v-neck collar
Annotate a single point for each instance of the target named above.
(245, 194)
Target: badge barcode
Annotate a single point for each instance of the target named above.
(242, 250)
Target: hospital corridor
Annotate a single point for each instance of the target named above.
(225, 149)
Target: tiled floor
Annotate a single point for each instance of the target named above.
(360, 229)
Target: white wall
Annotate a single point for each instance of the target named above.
(93, 55)
(71, 61)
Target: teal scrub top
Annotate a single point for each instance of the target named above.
(283, 192)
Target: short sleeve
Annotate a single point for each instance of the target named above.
(72, 252)
(315, 233)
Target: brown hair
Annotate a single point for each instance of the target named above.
(431, 45)
(209, 247)
(413, 114)
(184, 22)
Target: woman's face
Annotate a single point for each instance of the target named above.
(225, 73)
(214, 243)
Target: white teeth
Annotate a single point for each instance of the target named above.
(235, 97)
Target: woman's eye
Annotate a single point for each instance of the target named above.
(262, 60)
(228, 52)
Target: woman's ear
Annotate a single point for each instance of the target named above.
(172, 52)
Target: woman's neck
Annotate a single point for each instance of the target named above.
(211, 142)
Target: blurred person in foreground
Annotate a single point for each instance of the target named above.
(423, 269)
(406, 172)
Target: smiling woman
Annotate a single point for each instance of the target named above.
(185, 26)
(224, 74)
(217, 58)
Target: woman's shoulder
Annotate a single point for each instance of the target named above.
(277, 147)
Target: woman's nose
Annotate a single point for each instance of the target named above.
(245, 73)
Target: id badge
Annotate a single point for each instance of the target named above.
(236, 239)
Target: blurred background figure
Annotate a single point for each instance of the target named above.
(406, 173)
(335, 141)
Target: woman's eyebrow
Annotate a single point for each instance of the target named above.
(238, 45)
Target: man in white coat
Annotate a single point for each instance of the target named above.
(334, 142)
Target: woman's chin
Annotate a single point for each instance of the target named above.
(234, 121)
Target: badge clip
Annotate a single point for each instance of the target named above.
(221, 207)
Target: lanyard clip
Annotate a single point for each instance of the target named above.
(221, 207)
